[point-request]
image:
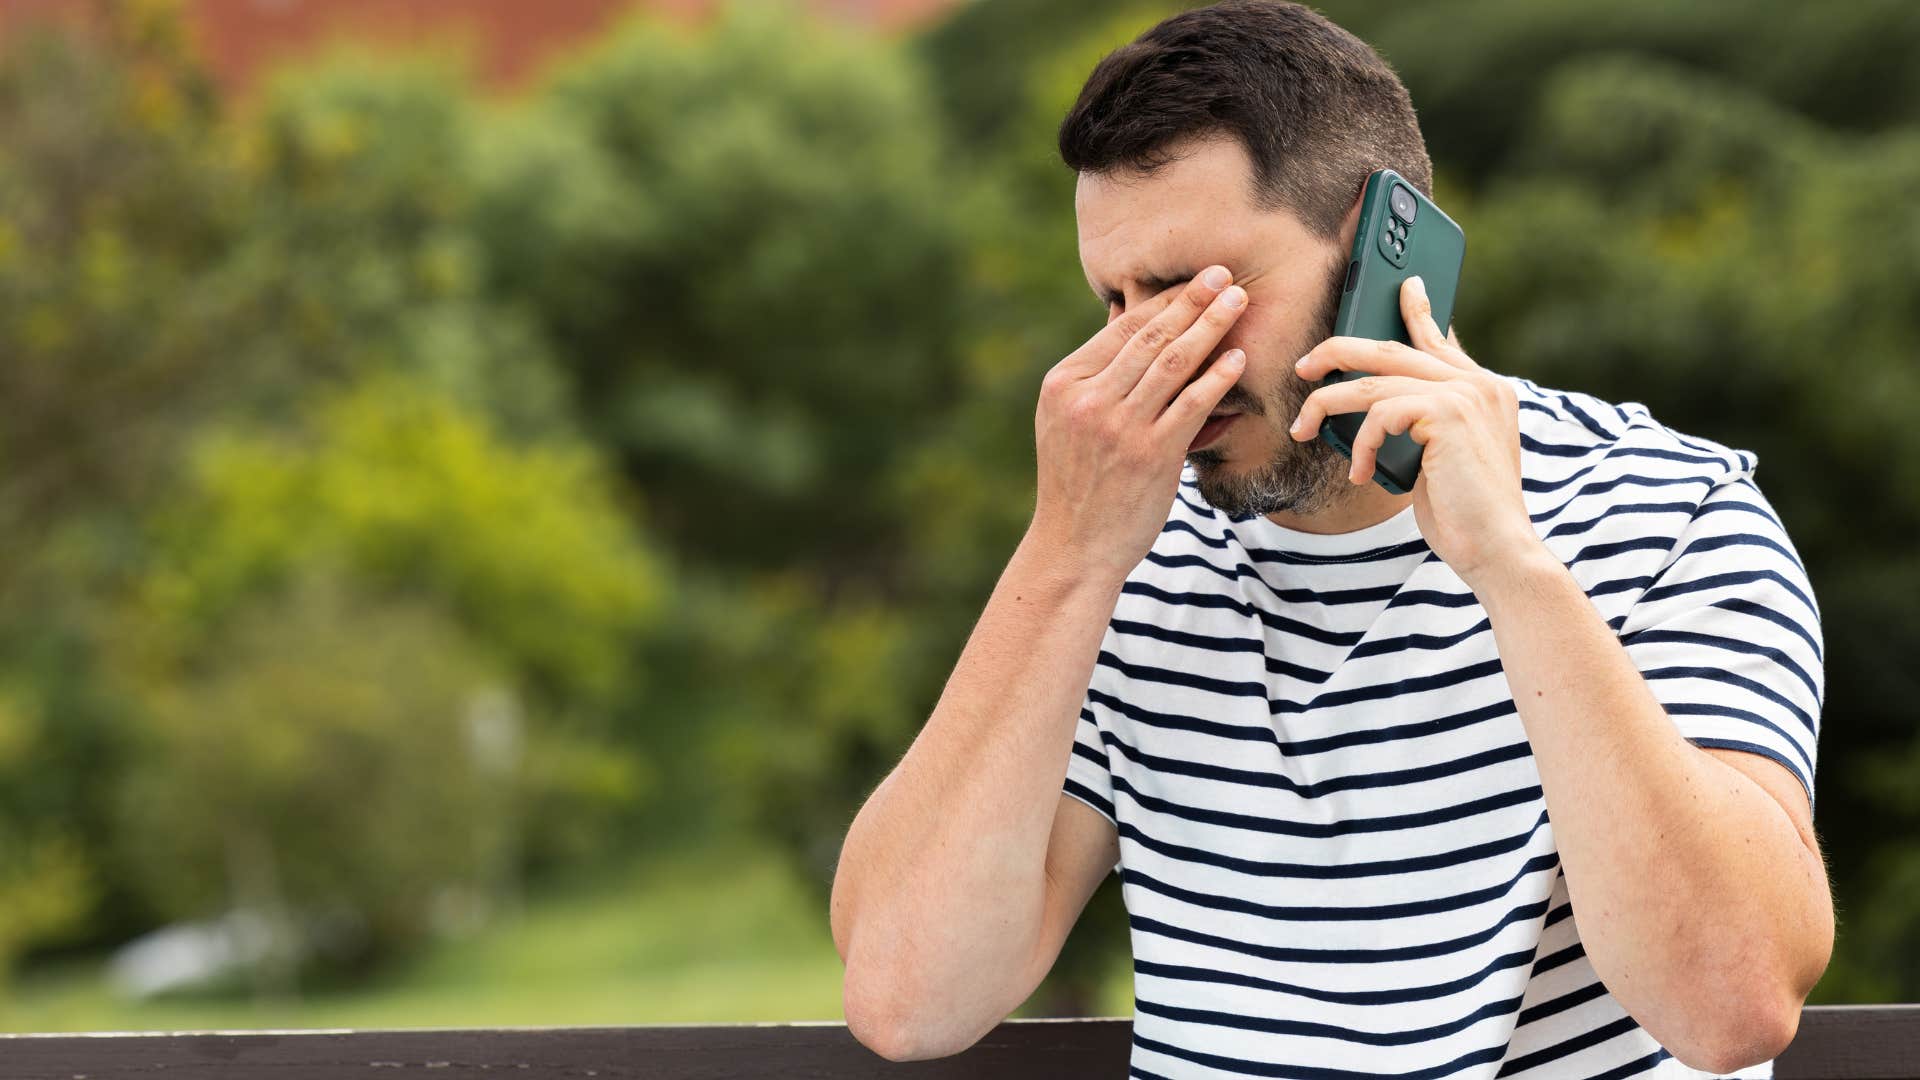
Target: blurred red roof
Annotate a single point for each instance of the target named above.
(509, 39)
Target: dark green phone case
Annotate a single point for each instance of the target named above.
(1432, 246)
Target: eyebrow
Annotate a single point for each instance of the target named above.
(1154, 283)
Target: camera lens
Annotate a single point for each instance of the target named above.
(1402, 202)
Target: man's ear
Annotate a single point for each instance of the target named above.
(1352, 224)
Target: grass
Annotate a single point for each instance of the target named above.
(722, 934)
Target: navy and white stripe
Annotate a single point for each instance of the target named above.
(1334, 847)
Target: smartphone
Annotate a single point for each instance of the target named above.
(1401, 234)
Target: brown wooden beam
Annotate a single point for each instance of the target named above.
(1846, 1042)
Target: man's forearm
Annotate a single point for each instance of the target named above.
(940, 889)
(1701, 907)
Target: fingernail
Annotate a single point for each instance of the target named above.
(1233, 357)
(1300, 363)
(1418, 284)
(1215, 278)
(1234, 296)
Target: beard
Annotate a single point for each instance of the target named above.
(1302, 477)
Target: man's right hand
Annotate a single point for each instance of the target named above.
(1116, 416)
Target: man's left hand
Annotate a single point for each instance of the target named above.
(1467, 496)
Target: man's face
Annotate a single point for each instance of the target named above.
(1137, 236)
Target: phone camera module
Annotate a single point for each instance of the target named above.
(1401, 200)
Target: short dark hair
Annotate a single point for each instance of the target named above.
(1316, 108)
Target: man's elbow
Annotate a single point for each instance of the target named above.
(883, 1021)
(1743, 1033)
(1751, 1013)
(888, 1038)
(902, 1016)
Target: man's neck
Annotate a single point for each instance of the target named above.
(1366, 506)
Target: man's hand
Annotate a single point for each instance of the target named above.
(1117, 414)
(1467, 497)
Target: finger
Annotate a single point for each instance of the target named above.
(1372, 357)
(1356, 395)
(1187, 412)
(1093, 357)
(1180, 359)
(1390, 417)
(1188, 300)
(1416, 310)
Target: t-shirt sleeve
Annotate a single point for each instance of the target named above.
(1728, 633)
(1088, 778)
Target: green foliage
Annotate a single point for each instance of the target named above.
(115, 208)
(170, 280)
(744, 244)
(316, 766)
(364, 248)
(48, 883)
(1477, 68)
(840, 695)
(113, 201)
(527, 546)
(986, 52)
(523, 552)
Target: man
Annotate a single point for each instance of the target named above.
(1511, 775)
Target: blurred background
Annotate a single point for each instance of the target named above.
(488, 487)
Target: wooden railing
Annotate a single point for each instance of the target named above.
(1845, 1042)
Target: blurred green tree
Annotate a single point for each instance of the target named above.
(315, 771)
(169, 276)
(114, 198)
(1477, 68)
(743, 244)
(527, 547)
(116, 206)
(362, 254)
(49, 880)
(452, 569)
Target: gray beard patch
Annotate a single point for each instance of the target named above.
(1304, 478)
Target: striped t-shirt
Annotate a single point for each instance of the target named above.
(1334, 849)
